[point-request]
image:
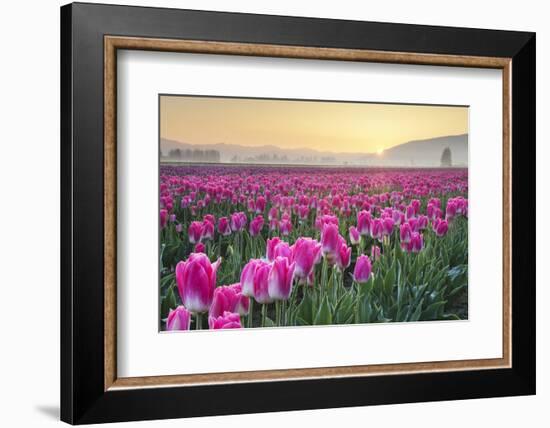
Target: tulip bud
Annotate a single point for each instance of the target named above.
(362, 270)
(405, 233)
(330, 240)
(280, 279)
(195, 232)
(228, 298)
(306, 253)
(207, 230)
(417, 242)
(200, 248)
(196, 280)
(225, 321)
(387, 226)
(223, 226)
(247, 276)
(364, 222)
(261, 287)
(163, 218)
(343, 258)
(377, 229)
(260, 204)
(210, 218)
(256, 225)
(354, 235)
(178, 319)
(441, 228)
(375, 252)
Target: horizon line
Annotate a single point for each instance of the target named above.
(311, 149)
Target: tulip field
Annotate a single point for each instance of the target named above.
(245, 246)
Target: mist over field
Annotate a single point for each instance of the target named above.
(417, 153)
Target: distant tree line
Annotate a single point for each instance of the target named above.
(194, 155)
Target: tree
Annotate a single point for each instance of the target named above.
(446, 158)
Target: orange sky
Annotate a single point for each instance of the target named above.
(320, 125)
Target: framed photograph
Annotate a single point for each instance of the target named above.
(291, 213)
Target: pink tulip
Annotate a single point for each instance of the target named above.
(270, 247)
(277, 248)
(251, 205)
(163, 218)
(325, 219)
(196, 280)
(423, 222)
(285, 226)
(303, 212)
(375, 252)
(224, 227)
(343, 256)
(243, 302)
(178, 319)
(238, 221)
(207, 229)
(225, 321)
(210, 218)
(280, 279)
(354, 236)
(398, 217)
(306, 253)
(330, 240)
(441, 227)
(450, 211)
(195, 231)
(256, 225)
(362, 270)
(415, 203)
(416, 243)
(200, 248)
(405, 233)
(377, 229)
(261, 284)
(179, 227)
(260, 204)
(387, 226)
(247, 276)
(364, 220)
(228, 298)
(273, 214)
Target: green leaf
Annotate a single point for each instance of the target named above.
(167, 303)
(433, 310)
(324, 315)
(301, 321)
(417, 312)
(305, 309)
(269, 322)
(389, 280)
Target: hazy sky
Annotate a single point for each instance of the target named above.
(327, 126)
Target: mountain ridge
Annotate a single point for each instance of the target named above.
(421, 152)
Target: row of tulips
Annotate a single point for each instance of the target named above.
(297, 256)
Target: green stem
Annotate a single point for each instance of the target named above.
(335, 283)
(264, 310)
(250, 312)
(278, 313)
(323, 278)
(199, 321)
